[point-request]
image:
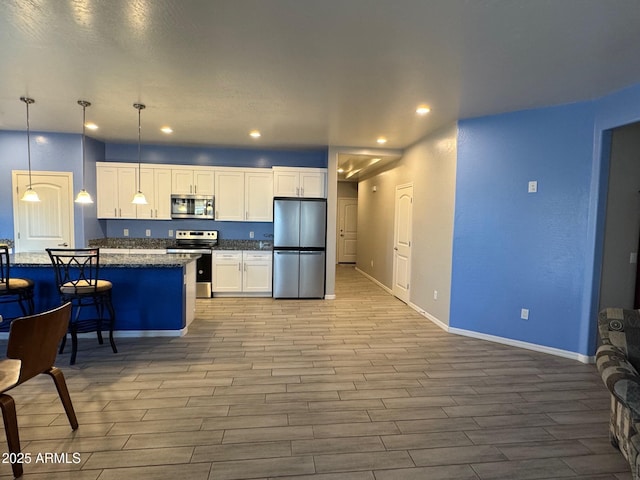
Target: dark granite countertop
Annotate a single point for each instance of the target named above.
(116, 260)
(162, 243)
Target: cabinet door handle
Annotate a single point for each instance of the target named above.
(115, 212)
(297, 191)
(156, 213)
(239, 267)
(246, 215)
(302, 192)
(119, 212)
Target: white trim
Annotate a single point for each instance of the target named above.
(505, 341)
(127, 333)
(330, 297)
(526, 345)
(384, 287)
(145, 333)
(435, 320)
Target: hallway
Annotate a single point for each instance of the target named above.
(358, 388)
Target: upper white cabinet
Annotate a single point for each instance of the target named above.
(192, 180)
(116, 185)
(229, 186)
(300, 182)
(244, 194)
(155, 183)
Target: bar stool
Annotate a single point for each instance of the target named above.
(14, 290)
(76, 271)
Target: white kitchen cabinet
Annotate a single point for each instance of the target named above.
(256, 272)
(198, 181)
(226, 271)
(244, 194)
(116, 185)
(300, 182)
(240, 273)
(155, 183)
(258, 195)
(229, 187)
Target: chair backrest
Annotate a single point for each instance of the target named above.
(75, 267)
(4, 265)
(34, 340)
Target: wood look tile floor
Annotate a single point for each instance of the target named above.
(358, 388)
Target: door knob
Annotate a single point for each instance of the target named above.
(395, 248)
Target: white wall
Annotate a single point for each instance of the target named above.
(430, 165)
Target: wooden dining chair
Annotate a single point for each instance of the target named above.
(31, 350)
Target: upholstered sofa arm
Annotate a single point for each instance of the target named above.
(620, 377)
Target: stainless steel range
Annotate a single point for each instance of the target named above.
(200, 242)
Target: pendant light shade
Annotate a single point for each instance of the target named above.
(83, 196)
(30, 195)
(139, 198)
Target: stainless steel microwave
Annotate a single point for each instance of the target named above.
(192, 206)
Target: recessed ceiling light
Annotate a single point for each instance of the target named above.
(91, 126)
(381, 140)
(422, 110)
(255, 134)
(166, 130)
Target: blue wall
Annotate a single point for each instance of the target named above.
(49, 152)
(205, 156)
(63, 152)
(513, 249)
(223, 157)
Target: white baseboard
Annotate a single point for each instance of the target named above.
(145, 333)
(491, 338)
(381, 285)
(330, 297)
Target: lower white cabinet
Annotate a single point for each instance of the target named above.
(241, 273)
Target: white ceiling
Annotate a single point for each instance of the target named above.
(304, 72)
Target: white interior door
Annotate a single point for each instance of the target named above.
(347, 229)
(402, 242)
(49, 222)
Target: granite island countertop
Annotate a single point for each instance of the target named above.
(113, 260)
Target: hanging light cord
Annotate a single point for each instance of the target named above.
(139, 106)
(84, 119)
(27, 101)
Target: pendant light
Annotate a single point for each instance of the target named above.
(83, 196)
(139, 198)
(30, 194)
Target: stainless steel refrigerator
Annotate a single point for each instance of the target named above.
(299, 237)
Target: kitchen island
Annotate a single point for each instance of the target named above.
(153, 295)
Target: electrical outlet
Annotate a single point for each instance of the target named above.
(147, 232)
(171, 233)
(250, 234)
(126, 232)
(533, 186)
(524, 313)
(435, 294)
